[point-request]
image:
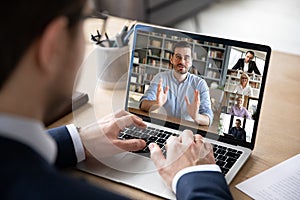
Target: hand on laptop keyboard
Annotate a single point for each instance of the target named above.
(101, 138)
(184, 151)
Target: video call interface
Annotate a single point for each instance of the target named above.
(233, 75)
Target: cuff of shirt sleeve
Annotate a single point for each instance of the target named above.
(79, 150)
(210, 118)
(208, 167)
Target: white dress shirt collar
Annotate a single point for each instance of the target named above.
(29, 132)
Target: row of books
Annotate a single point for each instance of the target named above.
(177, 38)
(167, 55)
(216, 54)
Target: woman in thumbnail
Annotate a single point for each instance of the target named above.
(243, 87)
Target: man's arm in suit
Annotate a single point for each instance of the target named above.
(230, 131)
(239, 64)
(254, 68)
(66, 155)
(244, 136)
(203, 185)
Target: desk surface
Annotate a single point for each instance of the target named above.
(278, 132)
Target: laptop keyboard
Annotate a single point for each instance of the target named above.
(225, 156)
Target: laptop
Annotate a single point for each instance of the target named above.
(213, 59)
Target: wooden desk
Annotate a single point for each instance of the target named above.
(278, 135)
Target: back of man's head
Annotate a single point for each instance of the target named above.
(23, 21)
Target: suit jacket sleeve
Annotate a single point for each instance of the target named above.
(239, 64)
(203, 185)
(254, 68)
(231, 131)
(66, 155)
(244, 136)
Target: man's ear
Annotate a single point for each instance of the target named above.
(171, 58)
(51, 44)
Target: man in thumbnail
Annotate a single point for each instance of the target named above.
(239, 110)
(179, 93)
(247, 64)
(237, 131)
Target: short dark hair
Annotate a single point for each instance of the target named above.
(182, 44)
(23, 21)
(251, 52)
(238, 120)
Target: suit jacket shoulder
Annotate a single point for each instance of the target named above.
(26, 175)
(203, 185)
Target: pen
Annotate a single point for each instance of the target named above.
(128, 34)
(98, 34)
(110, 42)
(106, 36)
(120, 36)
(104, 17)
(93, 38)
(125, 28)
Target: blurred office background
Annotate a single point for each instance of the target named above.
(272, 22)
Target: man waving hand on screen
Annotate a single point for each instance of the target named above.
(179, 93)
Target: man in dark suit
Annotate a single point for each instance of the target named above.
(247, 64)
(41, 52)
(237, 131)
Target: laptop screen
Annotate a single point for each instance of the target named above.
(229, 77)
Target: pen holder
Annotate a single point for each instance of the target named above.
(112, 66)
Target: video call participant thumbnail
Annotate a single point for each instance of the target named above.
(247, 64)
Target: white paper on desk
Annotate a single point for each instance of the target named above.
(279, 182)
